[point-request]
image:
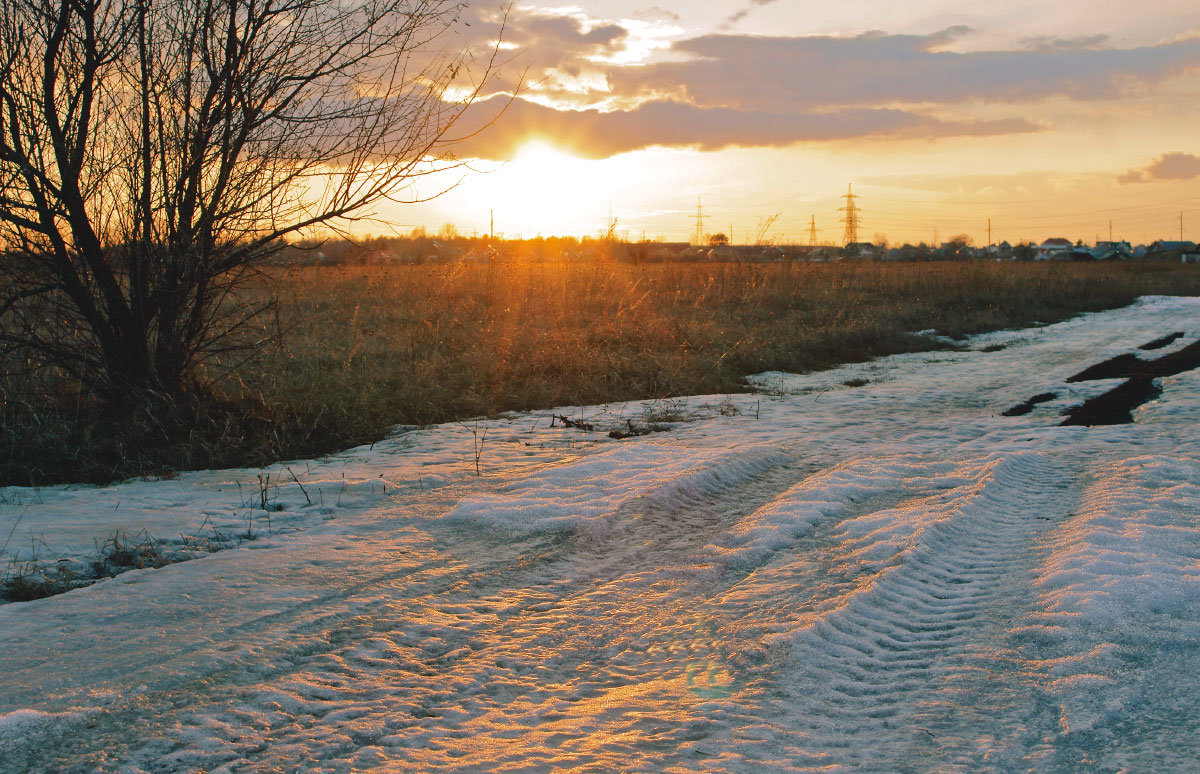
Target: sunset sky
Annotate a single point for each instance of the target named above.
(1050, 117)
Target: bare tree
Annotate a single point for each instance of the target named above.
(152, 152)
(958, 246)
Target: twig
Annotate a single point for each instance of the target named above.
(16, 524)
(302, 489)
(568, 422)
(477, 442)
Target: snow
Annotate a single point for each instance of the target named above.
(584, 494)
(890, 576)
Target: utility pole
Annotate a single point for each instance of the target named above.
(812, 232)
(1181, 225)
(700, 217)
(492, 227)
(989, 235)
(851, 220)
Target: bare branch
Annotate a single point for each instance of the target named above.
(152, 151)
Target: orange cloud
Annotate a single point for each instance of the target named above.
(596, 134)
(805, 73)
(1169, 166)
(724, 90)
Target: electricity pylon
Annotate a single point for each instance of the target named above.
(851, 220)
(812, 232)
(699, 217)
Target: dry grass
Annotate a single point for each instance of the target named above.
(365, 348)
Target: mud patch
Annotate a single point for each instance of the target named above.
(1163, 342)
(1119, 367)
(1128, 366)
(1186, 359)
(1021, 409)
(1116, 406)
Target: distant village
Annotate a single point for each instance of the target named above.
(1053, 249)
(420, 248)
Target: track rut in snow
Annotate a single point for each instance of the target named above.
(856, 614)
(552, 644)
(900, 663)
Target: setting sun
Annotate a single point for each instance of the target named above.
(546, 190)
(965, 122)
(545, 182)
(543, 190)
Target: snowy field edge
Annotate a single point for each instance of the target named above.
(869, 567)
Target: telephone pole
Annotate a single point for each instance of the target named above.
(699, 217)
(851, 220)
(989, 235)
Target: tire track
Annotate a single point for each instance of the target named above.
(901, 668)
(513, 632)
(868, 640)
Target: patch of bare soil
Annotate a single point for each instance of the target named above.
(1116, 406)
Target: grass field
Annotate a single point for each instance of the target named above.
(365, 348)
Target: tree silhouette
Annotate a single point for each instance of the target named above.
(152, 153)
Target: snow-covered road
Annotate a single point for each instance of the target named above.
(888, 576)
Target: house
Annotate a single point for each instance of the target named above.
(377, 258)
(860, 250)
(1112, 251)
(1174, 252)
(1051, 246)
(1164, 244)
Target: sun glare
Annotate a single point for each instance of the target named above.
(543, 165)
(545, 190)
(544, 185)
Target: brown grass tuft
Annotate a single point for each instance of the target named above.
(368, 347)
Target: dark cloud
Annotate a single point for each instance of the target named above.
(596, 134)
(1169, 166)
(736, 17)
(1049, 44)
(877, 69)
(721, 90)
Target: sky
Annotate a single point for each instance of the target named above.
(1056, 118)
